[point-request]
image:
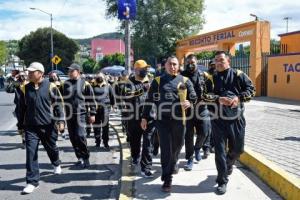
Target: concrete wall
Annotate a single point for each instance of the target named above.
(283, 66)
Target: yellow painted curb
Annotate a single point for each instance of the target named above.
(281, 181)
(127, 178)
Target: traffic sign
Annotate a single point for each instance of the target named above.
(126, 9)
(56, 59)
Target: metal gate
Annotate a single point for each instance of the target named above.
(241, 62)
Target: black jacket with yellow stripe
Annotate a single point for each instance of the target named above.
(229, 83)
(79, 98)
(41, 106)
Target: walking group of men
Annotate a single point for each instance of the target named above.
(178, 104)
(168, 110)
(43, 108)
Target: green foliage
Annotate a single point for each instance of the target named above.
(160, 23)
(275, 46)
(88, 66)
(37, 47)
(206, 55)
(13, 47)
(3, 52)
(114, 59)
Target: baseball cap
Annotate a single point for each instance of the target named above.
(140, 64)
(74, 66)
(36, 66)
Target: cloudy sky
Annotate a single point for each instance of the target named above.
(86, 18)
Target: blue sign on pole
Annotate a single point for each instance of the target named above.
(126, 9)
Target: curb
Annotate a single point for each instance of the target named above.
(127, 177)
(281, 181)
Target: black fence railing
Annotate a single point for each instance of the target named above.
(241, 62)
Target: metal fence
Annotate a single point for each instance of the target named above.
(241, 62)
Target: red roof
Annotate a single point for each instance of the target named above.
(107, 47)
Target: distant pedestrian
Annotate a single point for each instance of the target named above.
(1, 81)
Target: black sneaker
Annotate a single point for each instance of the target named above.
(166, 187)
(23, 144)
(155, 151)
(79, 162)
(176, 169)
(197, 155)
(229, 170)
(86, 163)
(106, 146)
(134, 161)
(97, 141)
(147, 174)
(206, 153)
(221, 189)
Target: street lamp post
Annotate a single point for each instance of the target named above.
(287, 23)
(51, 34)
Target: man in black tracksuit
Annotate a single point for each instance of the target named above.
(171, 94)
(79, 102)
(119, 89)
(19, 87)
(105, 100)
(208, 146)
(231, 89)
(41, 116)
(199, 115)
(135, 94)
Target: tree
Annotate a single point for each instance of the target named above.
(36, 47)
(114, 59)
(3, 52)
(205, 55)
(160, 23)
(88, 66)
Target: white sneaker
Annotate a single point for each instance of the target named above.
(57, 169)
(29, 189)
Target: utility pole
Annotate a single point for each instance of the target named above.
(127, 12)
(287, 23)
(51, 34)
(51, 44)
(127, 46)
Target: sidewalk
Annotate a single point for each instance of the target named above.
(196, 184)
(273, 131)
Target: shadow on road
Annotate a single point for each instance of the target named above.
(292, 138)
(92, 192)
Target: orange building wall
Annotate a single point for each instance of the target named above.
(292, 40)
(282, 66)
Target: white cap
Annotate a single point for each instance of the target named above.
(36, 66)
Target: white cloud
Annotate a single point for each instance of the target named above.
(82, 19)
(76, 19)
(221, 14)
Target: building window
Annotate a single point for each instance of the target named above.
(275, 78)
(288, 78)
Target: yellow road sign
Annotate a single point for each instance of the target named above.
(56, 59)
